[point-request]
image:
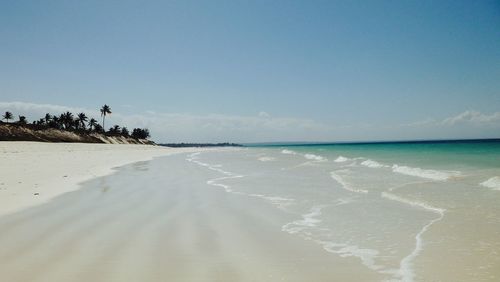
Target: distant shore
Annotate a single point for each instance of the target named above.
(200, 145)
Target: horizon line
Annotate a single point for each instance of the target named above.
(408, 141)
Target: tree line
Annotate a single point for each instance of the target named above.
(80, 123)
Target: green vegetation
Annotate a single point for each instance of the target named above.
(7, 116)
(79, 123)
(104, 111)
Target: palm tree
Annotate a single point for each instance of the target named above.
(55, 122)
(92, 123)
(47, 118)
(67, 119)
(125, 132)
(22, 120)
(98, 128)
(7, 116)
(140, 133)
(104, 111)
(82, 118)
(115, 129)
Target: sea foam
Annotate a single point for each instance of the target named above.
(315, 157)
(367, 256)
(345, 185)
(266, 159)
(493, 183)
(373, 164)
(341, 159)
(425, 173)
(288, 152)
(280, 202)
(421, 205)
(309, 220)
(406, 270)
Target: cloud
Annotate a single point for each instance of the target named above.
(183, 127)
(472, 117)
(264, 115)
(469, 117)
(178, 127)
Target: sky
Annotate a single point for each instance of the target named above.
(259, 71)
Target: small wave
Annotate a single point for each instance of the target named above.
(372, 164)
(214, 182)
(227, 188)
(281, 202)
(425, 173)
(367, 256)
(315, 157)
(341, 159)
(266, 159)
(311, 220)
(343, 183)
(425, 206)
(406, 271)
(288, 152)
(493, 183)
(308, 220)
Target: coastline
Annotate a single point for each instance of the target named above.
(33, 173)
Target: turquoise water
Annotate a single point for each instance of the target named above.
(451, 154)
(423, 211)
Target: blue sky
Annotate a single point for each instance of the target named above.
(249, 71)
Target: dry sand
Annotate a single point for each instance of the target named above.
(32, 173)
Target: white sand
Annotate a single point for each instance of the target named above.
(161, 221)
(50, 169)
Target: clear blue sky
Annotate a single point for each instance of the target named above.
(338, 64)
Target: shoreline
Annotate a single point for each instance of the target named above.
(33, 173)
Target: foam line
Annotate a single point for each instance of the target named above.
(309, 220)
(425, 173)
(288, 152)
(214, 182)
(341, 159)
(313, 157)
(373, 164)
(345, 185)
(406, 271)
(493, 183)
(280, 202)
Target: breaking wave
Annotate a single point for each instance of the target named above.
(315, 157)
(425, 173)
(341, 159)
(266, 159)
(372, 164)
(288, 152)
(493, 183)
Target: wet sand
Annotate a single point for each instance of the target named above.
(160, 221)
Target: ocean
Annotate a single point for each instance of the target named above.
(408, 211)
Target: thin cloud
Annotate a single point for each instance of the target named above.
(184, 127)
(176, 127)
(472, 117)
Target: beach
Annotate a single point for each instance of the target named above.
(392, 212)
(35, 172)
